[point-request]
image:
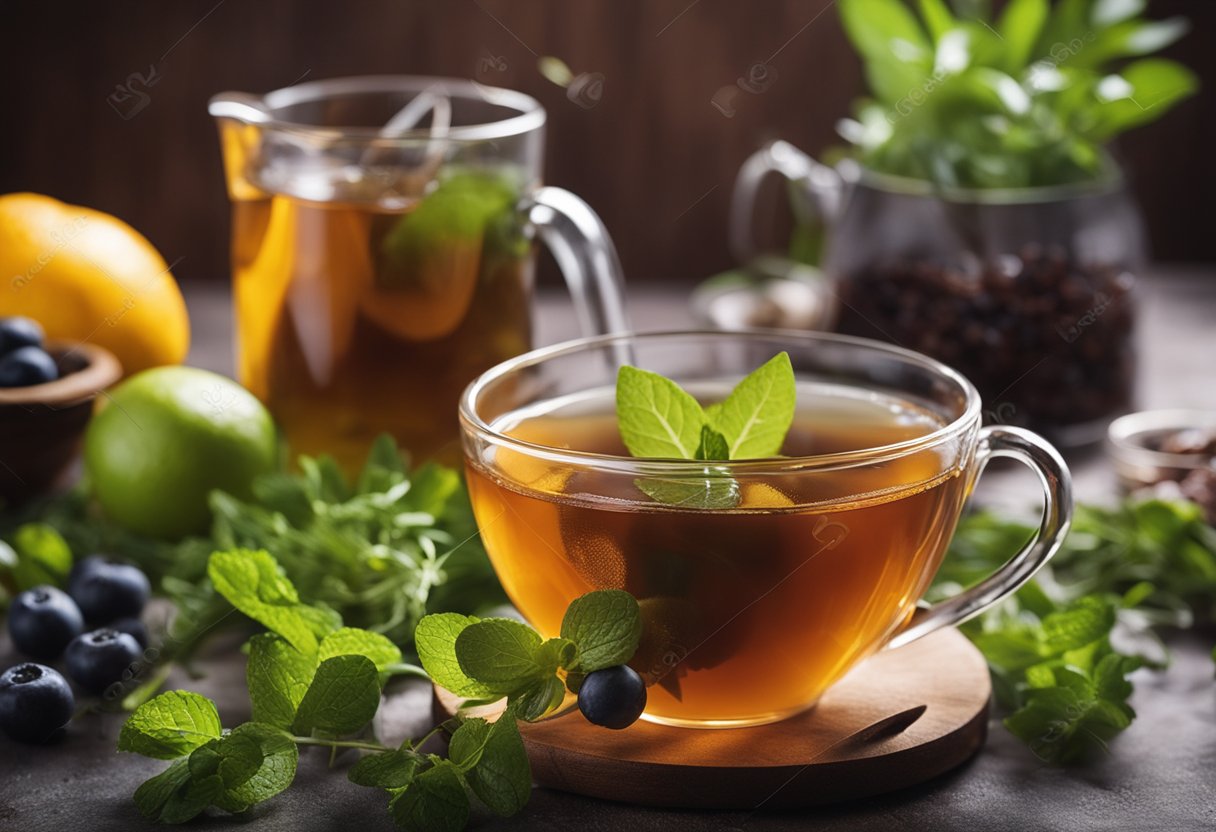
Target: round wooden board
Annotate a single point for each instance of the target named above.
(848, 746)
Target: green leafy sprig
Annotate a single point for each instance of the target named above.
(660, 420)
(381, 550)
(314, 682)
(1062, 648)
(1028, 98)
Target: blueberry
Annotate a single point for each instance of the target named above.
(35, 702)
(106, 591)
(97, 660)
(19, 332)
(132, 627)
(613, 697)
(42, 621)
(26, 366)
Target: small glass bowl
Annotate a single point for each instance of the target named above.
(1135, 443)
(768, 293)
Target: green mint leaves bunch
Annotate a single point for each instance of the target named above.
(1062, 648)
(660, 420)
(313, 681)
(1027, 98)
(381, 549)
(485, 660)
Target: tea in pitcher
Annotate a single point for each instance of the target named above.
(750, 611)
(366, 302)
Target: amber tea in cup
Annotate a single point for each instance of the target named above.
(750, 612)
(382, 255)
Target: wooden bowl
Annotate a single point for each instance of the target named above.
(41, 425)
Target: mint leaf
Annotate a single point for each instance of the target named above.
(173, 797)
(715, 492)
(387, 770)
(1084, 621)
(556, 653)
(499, 652)
(435, 641)
(757, 414)
(350, 641)
(657, 419)
(539, 699)
(342, 698)
(252, 582)
(502, 776)
(434, 802)
(277, 757)
(713, 445)
(606, 625)
(43, 557)
(464, 749)
(170, 725)
(232, 760)
(278, 675)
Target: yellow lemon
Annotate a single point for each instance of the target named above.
(87, 276)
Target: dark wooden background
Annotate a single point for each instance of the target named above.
(654, 156)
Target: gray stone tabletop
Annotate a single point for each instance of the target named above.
(1160, 775)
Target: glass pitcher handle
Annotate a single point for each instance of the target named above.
(1036, 454)
(817, 195)
(584, 252)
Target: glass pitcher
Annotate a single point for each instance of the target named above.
(1027, 292)
(382, 254)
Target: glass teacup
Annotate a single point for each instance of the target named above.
(751, 612)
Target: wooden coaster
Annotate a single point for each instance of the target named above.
(856, 742)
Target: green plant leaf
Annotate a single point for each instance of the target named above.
(387, 770)
(252, 582)
(278, 676)
(898, 56)
(170, 725)
(351, 641)
(1084, 621)
(1020, 26)
(713, 445)
(434, 802)
(757, 414)
(342, 698)
(1109, 12)
(715, 492)
(502, 776)
(1130, 38)
(468, 740)
(1142, 92)
(499, 652)
(43, 556)
(606, 625)
(172, 797)
(273, 755)
(435, 640)
(937, 17)
(540, 699)
(657, 419)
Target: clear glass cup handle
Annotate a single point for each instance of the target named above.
(817, 196)
(586, 256)
(1034, 452)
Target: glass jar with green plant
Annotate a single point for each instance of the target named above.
(979, 216)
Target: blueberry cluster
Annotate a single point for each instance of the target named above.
(23, 359)
(46, 623)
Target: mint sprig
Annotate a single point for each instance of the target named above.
(313, 681)
(1062, 648)
(658, 419)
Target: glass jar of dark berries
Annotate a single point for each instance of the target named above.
(1029, 293)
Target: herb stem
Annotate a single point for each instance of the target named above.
(406, 669)
(366, 746)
